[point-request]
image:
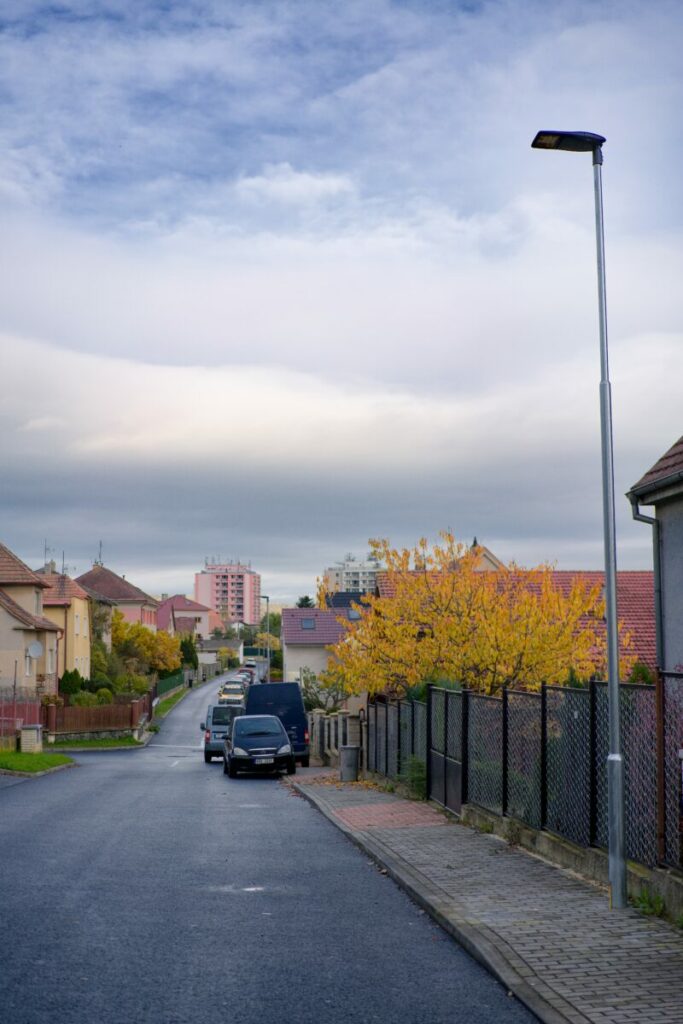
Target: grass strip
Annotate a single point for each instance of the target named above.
(15, 761)
(102, 744)
(164, 706)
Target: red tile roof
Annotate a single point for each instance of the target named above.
(670, 465)
(178, 603)
(19, 613)
(13, 570)
(61, 589)
(102, 581)
(184, 624)
(326, 629)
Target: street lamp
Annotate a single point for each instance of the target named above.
(265, 597)
(588, 142)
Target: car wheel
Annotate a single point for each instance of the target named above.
(207, 757)
(305, 761)
(232, 771)
(291, 767)
(225, 767)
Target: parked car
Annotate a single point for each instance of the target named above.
(283, 700)
(232, 691)
(258, 743)
(219, 719)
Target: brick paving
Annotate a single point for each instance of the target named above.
(574, 958)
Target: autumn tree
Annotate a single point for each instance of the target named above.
(142, 650)
(440, 617)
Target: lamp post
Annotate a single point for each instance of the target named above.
(266, 598)
(588, 142)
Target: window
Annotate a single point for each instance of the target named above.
(308, 623)
(50, 660)
(27, 663)
(39, 603)
(354, 614)
(85, 625)
(77, 626)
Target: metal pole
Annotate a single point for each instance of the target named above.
(268, 636)
(615, 763)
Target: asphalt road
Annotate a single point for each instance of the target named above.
(145, 886)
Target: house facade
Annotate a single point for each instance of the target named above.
(178, 615)
(134, 604)
(305, 636)
(67, 604)
(662, 487)
(28, 639)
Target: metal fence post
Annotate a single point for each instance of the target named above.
(544, 755)
(374, 704)
(445, 746)
(465, 746)
(429, 741)
(660, 713)
(398, 738)
(593, 766)
(386, 736)
(412, 728)
(504, 794)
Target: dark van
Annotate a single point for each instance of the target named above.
(219, 719)
(285, 701)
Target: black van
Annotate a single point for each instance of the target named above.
(285, 701)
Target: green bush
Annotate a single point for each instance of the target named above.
(84, 699)
(99, 680)
(129, 682)
(71, 681)
(104, 696)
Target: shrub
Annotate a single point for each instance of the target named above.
(83, 699)
(100, 679)
(104, 696)
(52, 698)
(129, 682)
(640, 673)
(71, 682)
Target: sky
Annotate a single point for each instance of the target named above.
(278, 277)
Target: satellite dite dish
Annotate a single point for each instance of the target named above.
(35, 649)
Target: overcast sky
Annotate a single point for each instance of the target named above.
(278, 277)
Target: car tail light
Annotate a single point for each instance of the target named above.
(207, 734)
(305, 735)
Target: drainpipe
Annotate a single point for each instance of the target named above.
(654, 523)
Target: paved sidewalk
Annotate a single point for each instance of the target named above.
(547, 935)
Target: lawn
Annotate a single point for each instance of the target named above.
(121, 741)
(164, 706)
(17, 762)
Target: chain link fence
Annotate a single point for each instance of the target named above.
(568, 763)
(524, 756)
(673, 768)
(485, 748)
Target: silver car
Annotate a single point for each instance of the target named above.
(218, 724)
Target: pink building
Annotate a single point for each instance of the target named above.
(232, 590)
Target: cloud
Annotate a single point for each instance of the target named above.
(281, 183)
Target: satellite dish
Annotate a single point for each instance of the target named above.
(35, 649)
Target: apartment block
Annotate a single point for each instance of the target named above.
(231, 589)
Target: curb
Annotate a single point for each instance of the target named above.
(477, 940)
(37, 775)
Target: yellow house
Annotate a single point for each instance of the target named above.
(66, 604)
(28, 640)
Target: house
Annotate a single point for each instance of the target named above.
(28, 640)
(179, 615)
(134, 604)
(662, 487)
(67, 604)
(306, 633)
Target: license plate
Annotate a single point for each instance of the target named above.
(264, 760)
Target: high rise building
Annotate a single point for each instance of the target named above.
(231, 589)
(352, 575)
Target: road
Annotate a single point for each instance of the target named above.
(145, 886)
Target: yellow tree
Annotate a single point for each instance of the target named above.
(265, 640)
(141, 649)
(440, 617)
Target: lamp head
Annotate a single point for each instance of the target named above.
(572, 142)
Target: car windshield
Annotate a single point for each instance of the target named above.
(223, 716)
(233, 686)
(258, 727)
